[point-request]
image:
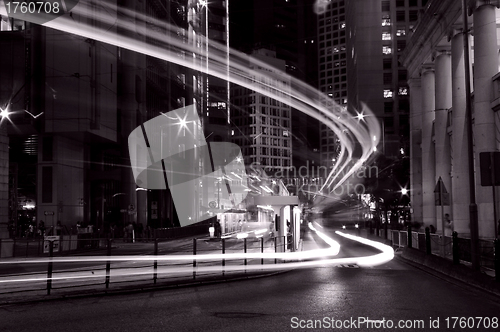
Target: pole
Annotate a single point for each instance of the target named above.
(223, 252)
(493, 180)
(194, 260)
(262, 249)
(440, 184)
(155, 263)
(472, 185)
(108, 264)
(245, 249)
(49, 270)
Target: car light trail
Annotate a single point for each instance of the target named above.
(386, 255)
(232, 66)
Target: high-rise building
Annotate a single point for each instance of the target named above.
(288, 29)
(359, 46)
(262, 125)
(75, 101)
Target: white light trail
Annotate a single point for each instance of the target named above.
(169, 45)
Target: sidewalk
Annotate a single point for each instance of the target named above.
(82, 278)
(445, 269)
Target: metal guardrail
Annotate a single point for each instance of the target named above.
(194, 247)
(450, 247)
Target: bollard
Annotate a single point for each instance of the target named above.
(27, 246)
(262, 250)
(410, 237)
(497, 260)
(456, 252)
(108, 264)
(14, 249)
(155, 263)
(275, 249)
(223, 252)
(49, 270)
(428, 249)
(385, 230)
(194, 260)
(245, 249)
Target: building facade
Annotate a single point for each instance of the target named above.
(262, 125)
(359, 46)
(73, 103)
(435, 59)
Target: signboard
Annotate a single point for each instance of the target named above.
(441, 195)
(46, 243)
(489, 164)
(49, 213)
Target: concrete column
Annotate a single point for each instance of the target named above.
(460, 166)
(443, 104)
(416, 149)
(428, 159)
(485, 67)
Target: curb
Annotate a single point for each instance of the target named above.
(445, 269)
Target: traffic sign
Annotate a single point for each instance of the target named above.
(441, 195)
(212, 204)
(46, 243)
(49, 213)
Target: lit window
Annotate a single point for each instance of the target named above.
(387, 93)
(401, 32)
(386, 36)
(386, 20)
(342, 25)
(403, 91)
(386, 50)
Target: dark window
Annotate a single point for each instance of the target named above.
(400, 3)
(388, 107)
(47, 148)
(401, 45)
(400, 16)
(413, 3)
(389, 123)
(402, 75)
(47, 184)
(386, 6)
(387, 78)
(387, 63)
(404, 105)
(413, 15)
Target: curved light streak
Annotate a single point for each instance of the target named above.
(172, 45)
(387, 254)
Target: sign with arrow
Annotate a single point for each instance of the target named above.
(441, 195)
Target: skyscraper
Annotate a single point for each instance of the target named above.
(359, 46)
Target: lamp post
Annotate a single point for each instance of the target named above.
(4, 172)
(470, 145)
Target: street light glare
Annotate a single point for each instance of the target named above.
(4, 113)
(404, 191)
(360, 116)
(183, 123)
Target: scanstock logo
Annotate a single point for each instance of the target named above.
(170, 151)
(38, 11)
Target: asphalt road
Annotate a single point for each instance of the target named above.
(391, 293)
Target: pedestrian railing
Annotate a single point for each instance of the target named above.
(450, 247)
(131, 263)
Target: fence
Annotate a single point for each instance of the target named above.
(131, 264)
(450, 247)
(72, 241)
